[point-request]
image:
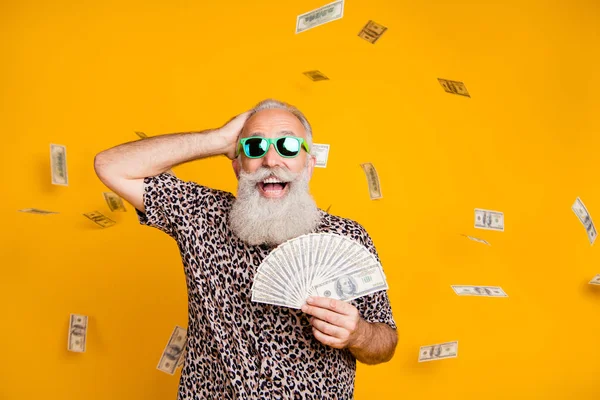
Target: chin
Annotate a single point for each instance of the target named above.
(273, 209)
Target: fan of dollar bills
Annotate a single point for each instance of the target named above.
(317, 264)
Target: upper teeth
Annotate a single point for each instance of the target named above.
(272, 180)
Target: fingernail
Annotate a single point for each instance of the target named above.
(309, 300)
(304, 308)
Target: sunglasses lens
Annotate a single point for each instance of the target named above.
(255, 147)
(288, 146)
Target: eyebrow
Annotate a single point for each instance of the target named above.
(281, 133)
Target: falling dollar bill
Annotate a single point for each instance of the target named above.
(357, 284)
(37, 211)
(77, 333)
(58, 164)
(181, 360)
(172, 353)
(320, 16)
(477, 240)
(321, 152)
(372, 31)
(595, 280)
(316, 75)
(454, 87)
(586, 220)
(438, 351)
(491, 220)
(482, 291)
(115, 203)
(100, 219)
(373, 180)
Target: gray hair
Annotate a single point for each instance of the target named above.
(276, 104)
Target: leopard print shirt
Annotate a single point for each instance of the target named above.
(236, 348)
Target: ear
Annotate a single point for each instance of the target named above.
(235, 163)
(312, 161)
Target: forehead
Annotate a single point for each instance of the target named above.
(274, 122)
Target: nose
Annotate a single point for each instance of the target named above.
(272, 158)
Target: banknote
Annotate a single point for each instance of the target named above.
(438, 351)
(477, 240)
(58, 164)
(181, 360)
(321, 152)
(595, 280)
(316, 75)
(100, 219)
(172, 353)
(581, 211)
(586, 220)
(115, 203)
(454, 87)
(591, 232)
(372, 31)
(354, 285)
(37, 211)
(373, 180)
(142, 135)
(320, 16)
(326, 265)
(483, 291)
(491, 220)
(77, 333)
(268, 298)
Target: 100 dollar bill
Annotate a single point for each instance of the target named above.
(320, 16)
(373, 181)
(491, 220)
(37, 211)
(454, 87)
(372, 32)
(173, 351)
(321, 152)
(483, 291)
(477, 240)
(115, 203)
(77, 333)
(438, 351)
(352, 286)
(58, 164)
(100, 219)
(586, 220)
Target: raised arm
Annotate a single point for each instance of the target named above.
(124, 167)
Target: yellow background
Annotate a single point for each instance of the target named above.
(89, 74)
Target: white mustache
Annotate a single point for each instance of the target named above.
(281, 173)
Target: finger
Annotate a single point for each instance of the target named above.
(341, 320)
(332, 304)
(329, 329)
(326, 339)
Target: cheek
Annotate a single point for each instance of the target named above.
(296, 164)
(250, 165)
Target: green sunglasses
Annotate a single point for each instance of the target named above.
(286, 146)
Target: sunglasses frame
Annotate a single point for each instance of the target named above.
(272, 141)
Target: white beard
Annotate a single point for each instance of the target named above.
(259, 220)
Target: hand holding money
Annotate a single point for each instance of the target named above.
(335, 323)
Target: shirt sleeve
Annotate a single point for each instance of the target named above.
(169, 203)
(375, 307)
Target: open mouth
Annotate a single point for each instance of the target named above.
(273, 187)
